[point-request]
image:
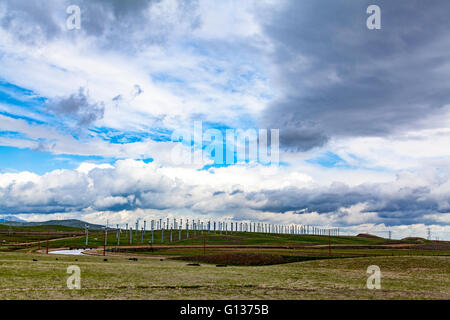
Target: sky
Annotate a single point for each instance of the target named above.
(98, 122)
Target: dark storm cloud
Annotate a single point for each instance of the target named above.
(79, 106)
(121, 24)
(393, 205)
(338, 78)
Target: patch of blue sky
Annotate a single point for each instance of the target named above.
(14, 159)
(329, 160)
(188, 132)
(161, 135)
(242, 121)
(20, 103)
(147, 160)
(166, 78)
(50, 121)
(15, 90)
(246, 122)
(221, 160)
(229, 156)
(236, 83)
(267, 95)
(195, 47)
(332, 160)
(357, 159)
(117, 137)
(15, 95)
(215, 125)
(221, 56)
(219, 52)
(22, 117)
(14, 135)
(123, 137)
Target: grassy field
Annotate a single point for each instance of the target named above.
(403, 277)
(258, 266)
(26, 238)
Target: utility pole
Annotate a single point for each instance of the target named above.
(137, 226)
(152, 235)
(143, 231)
(87, 234)
(187, 228)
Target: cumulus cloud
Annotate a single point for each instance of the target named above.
(133, 185)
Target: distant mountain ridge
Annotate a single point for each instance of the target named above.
(74, 223)
(10, 218)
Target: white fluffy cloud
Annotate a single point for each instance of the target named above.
(132, 189)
